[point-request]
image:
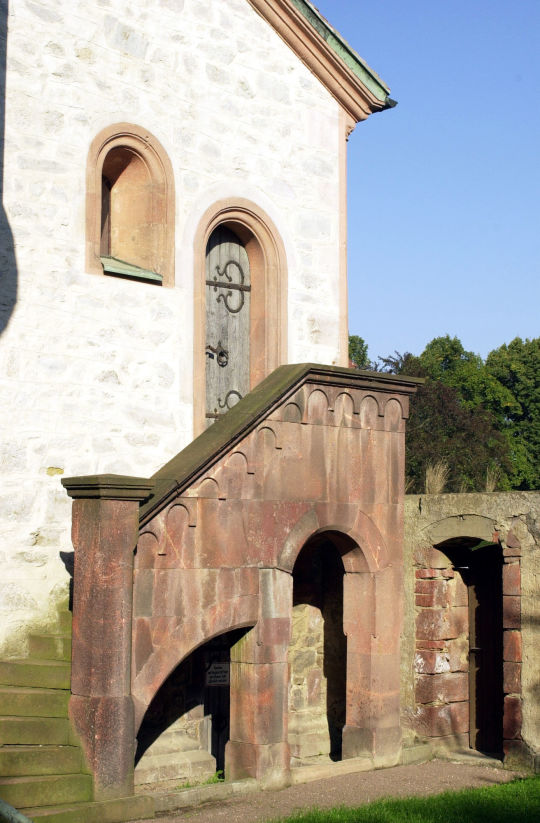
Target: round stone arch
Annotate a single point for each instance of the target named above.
(372, 610)
(223, 617)
(461, 525)
(268, 314)
(361, 545)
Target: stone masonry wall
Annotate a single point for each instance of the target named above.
(308, 724)
(97, 372)
(435, 642)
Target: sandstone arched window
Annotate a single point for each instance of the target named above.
(130, 206)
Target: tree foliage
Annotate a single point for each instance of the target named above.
(482, 418)
(358, 352)
(516, 367)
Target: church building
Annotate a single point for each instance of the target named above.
(202, 511)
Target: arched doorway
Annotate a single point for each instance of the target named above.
(317, 654)
(240, 292)
(480, 565)
(228, 301)
(186, 726)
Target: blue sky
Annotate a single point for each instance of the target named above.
(444, 190)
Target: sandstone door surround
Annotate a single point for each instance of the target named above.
(208, 545)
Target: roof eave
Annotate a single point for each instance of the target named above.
(355, 86)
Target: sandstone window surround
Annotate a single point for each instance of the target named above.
(130, 206)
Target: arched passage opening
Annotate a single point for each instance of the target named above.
(317, 653)
(459, 663)
(186, 726)
(479, 564)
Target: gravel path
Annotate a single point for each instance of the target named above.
(347, 790)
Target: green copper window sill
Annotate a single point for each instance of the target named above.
(111, 265)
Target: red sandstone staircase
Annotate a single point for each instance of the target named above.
(42, 770)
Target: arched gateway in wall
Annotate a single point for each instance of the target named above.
(194, 574)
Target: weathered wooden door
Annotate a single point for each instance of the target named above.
(228, 289)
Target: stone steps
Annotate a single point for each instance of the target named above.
(39, 764)
(47, 674)
(39, 731)
(39, 760)
(24, 791)
(182, 766)
(41, 770)
(33, 702)
(50, 647)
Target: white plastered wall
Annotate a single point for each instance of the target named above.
(96, 372)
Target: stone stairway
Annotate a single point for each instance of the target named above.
(42, 770)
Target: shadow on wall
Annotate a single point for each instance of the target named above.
(8, 267)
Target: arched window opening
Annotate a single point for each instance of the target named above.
(130, 207)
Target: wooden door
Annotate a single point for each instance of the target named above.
(227, 294)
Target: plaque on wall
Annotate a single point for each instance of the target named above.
(218, 674)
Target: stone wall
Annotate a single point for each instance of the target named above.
(308, 724)
(435, 649)
(97, 372)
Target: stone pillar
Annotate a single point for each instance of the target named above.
(105, 530)
(371, 621)
(258, 745)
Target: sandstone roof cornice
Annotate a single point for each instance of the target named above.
(356, 87)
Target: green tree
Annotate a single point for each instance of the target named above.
(358, 352)
(516, 367)
(456, 416)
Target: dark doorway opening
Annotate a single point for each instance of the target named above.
(480, 564)
(195, 700)
(318, 583)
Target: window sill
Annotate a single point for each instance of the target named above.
(119, 268)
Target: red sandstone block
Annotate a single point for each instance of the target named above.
(512, 646)
(431, 662)
(432, 593)
(438, 645)
(442, 688)
(512, 678)
(441, 624)
(460, 594)
(439, 721)
(424, 586)
(512, 718)
(448, 574)
(425, 574)
(259, 699)
(458, 654)
(512, 578)
(511, 612)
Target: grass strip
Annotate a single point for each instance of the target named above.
(514, 802)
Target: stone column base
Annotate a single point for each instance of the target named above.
(105, 726)
(382, 745)
(268, 763)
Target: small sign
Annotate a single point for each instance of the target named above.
(218, 674)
